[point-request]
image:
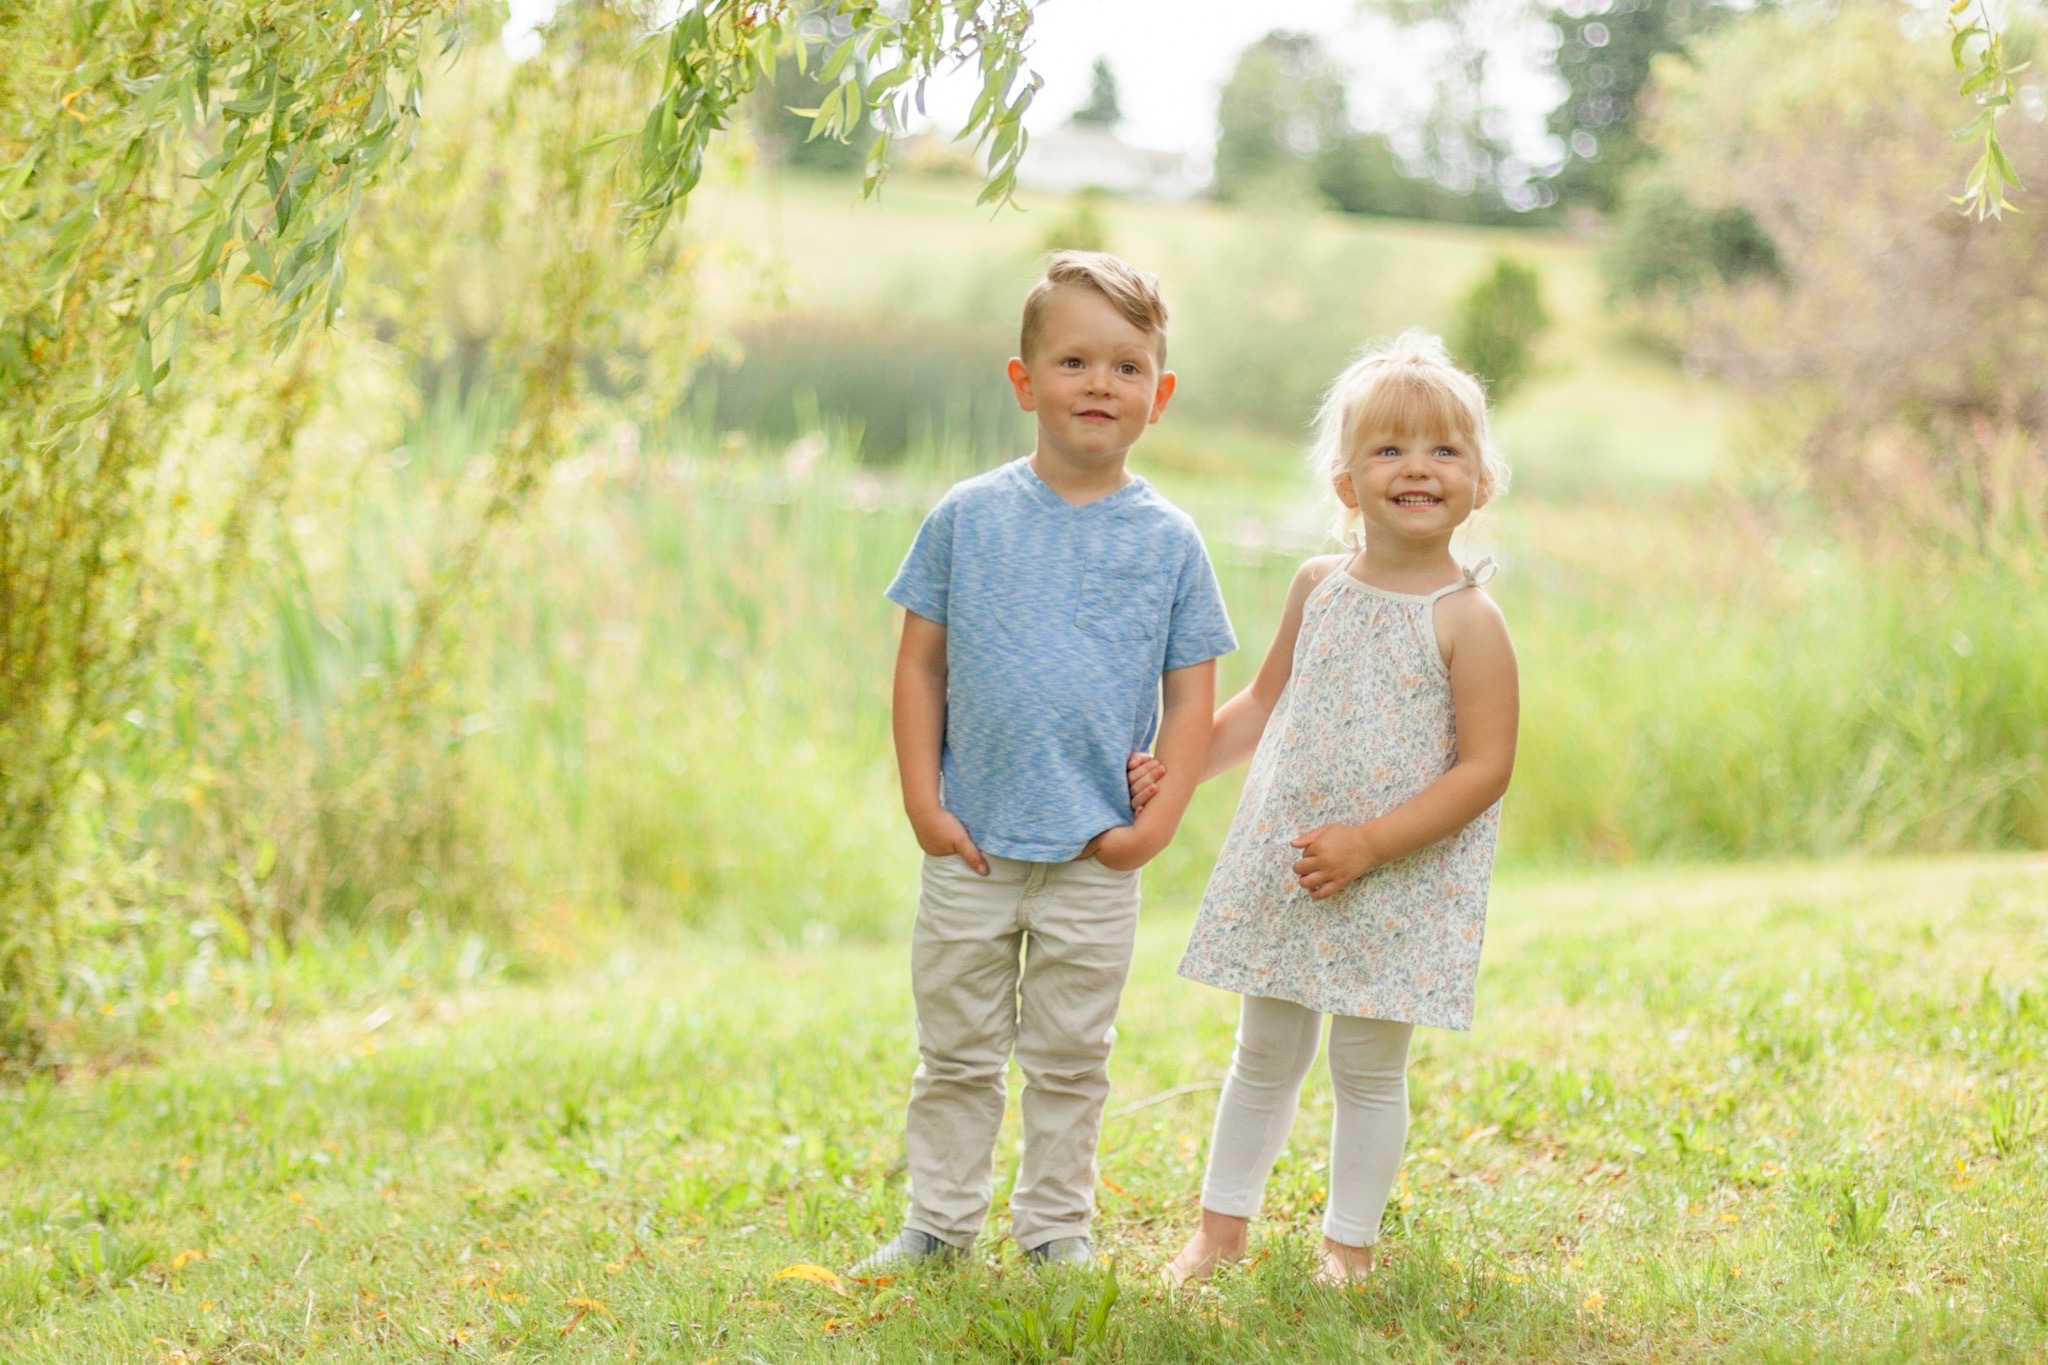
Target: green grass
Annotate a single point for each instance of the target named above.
(1772, 1113)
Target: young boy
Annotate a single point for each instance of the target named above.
(1051, 606)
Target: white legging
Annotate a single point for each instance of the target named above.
(1276, 1042)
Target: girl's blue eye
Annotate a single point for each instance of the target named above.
(1447, 452)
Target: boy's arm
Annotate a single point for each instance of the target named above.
(1486, 696)
(1188, 698)
(918, 716)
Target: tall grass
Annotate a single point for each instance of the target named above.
(695, 720)
(1744, 689)
(668, 697)
(892, 387)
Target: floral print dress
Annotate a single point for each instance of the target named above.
(1363, 725)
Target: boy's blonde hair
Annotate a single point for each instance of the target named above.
(1133, 292)
(1406, 387)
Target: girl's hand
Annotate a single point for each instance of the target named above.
(1145, 773)
(1333, 856)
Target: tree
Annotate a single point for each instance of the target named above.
(1102, 109)
(1282, 129)
(185, 180)
(786, 105)
(1283, 102)
(1359, 172)
(1603, 58)
(1605, 49)
(1902, 343)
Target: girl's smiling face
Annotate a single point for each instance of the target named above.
(1416, 486)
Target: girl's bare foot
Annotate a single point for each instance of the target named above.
(1343, 1266)
(1220, 1238)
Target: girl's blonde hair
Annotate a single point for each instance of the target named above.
(1406, 387)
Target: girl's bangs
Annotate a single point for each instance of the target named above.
(1411, 403)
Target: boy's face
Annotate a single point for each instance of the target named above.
(1094, 378)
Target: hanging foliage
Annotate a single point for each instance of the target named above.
(185, 187)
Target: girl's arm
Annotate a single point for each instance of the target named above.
(1238, 723)
(1487, 699)
(1188, 696)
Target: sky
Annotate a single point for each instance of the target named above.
(1172, 57)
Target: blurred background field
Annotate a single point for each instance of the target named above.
(669, 697)
(541, 594)
(897, 313)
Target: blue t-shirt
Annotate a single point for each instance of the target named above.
(1059, 621)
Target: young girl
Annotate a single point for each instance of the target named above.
(1353, 881)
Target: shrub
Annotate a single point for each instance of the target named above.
(1081, 228)
(1664, 243)
(1500, 321)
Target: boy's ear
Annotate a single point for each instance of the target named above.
(1020, 380)
(1161, 395)
(1346, 494)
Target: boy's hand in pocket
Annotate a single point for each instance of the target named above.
(1145, 773)
(941, 834)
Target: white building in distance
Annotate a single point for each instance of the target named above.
(1083, 156)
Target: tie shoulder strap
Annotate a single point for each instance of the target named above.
(1478, 575)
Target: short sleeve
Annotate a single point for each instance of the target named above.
(1200, 629)
(923, 582)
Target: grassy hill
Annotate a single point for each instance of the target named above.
(1266, 309)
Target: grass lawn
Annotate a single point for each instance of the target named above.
(1747, 1113)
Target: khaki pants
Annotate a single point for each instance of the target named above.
(1073, 925)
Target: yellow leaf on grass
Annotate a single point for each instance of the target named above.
(1594, 1302)
(185, 1258)
(816, 1274)
(588, 1305)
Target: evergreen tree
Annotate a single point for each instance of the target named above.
(1102, 109)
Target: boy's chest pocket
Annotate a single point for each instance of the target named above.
(1123, 601)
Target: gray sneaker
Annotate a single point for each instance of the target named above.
(1061, 1253)
(907, 1250)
